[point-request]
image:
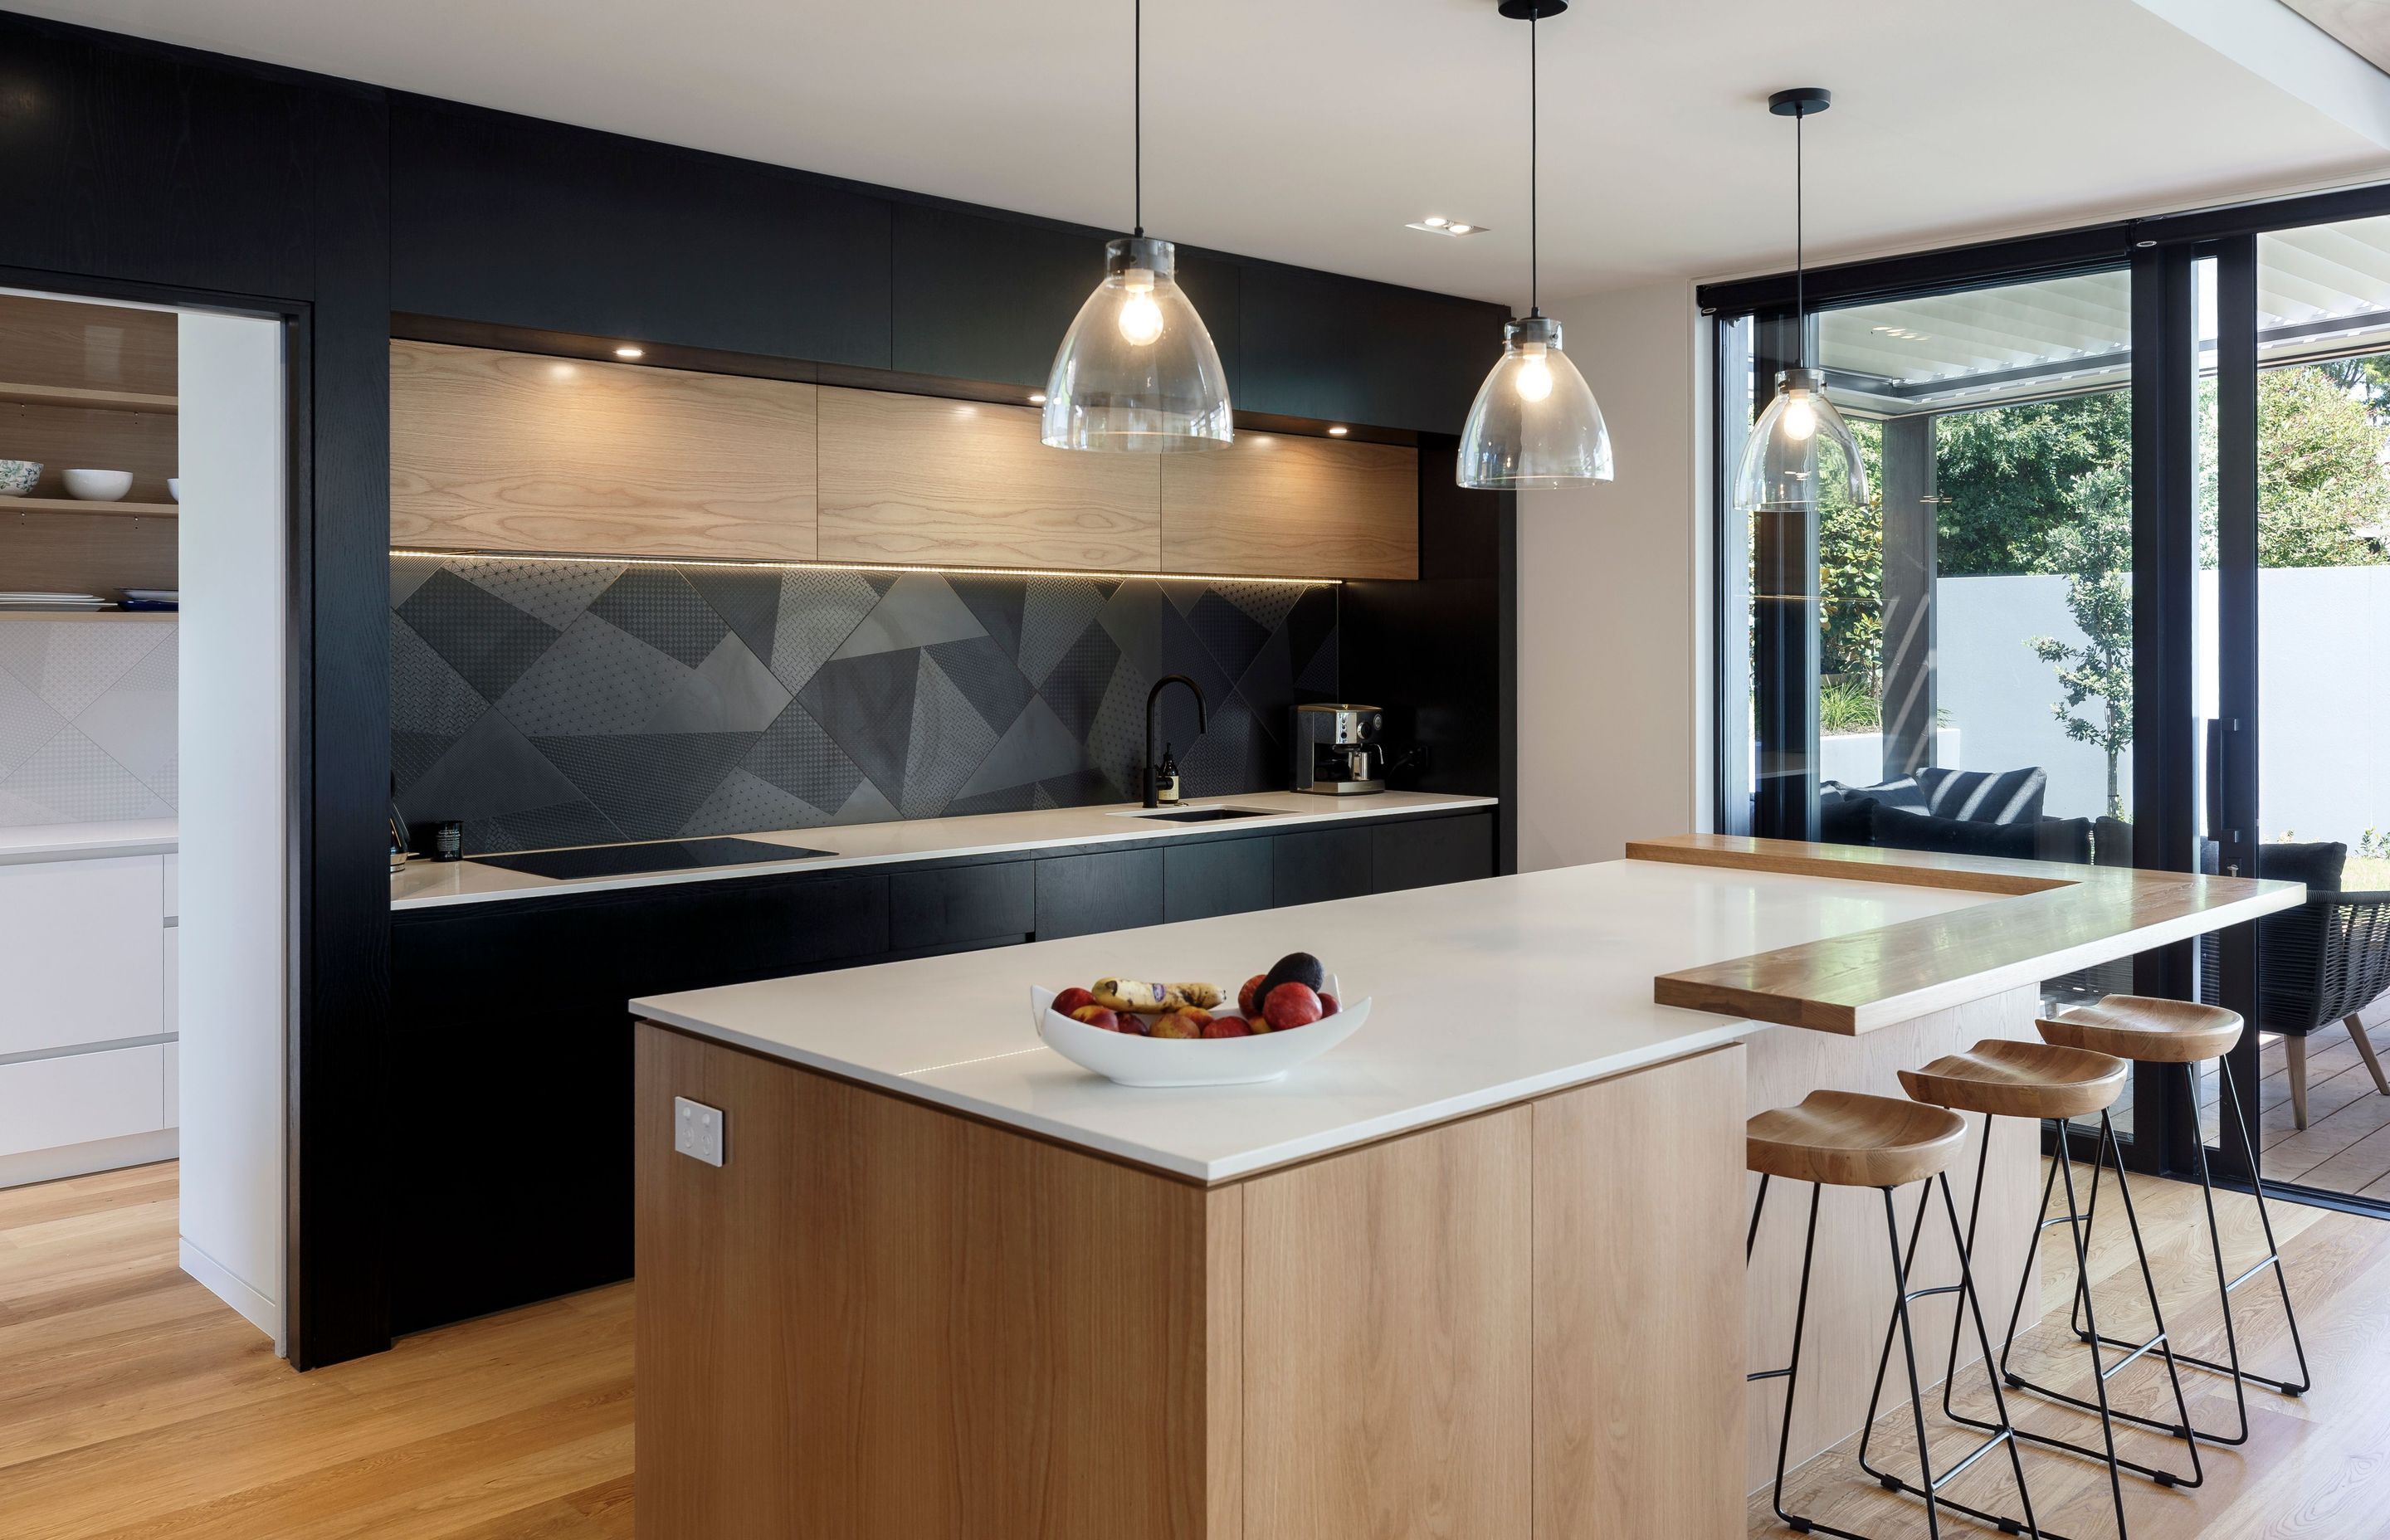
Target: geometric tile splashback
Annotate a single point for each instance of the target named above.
(86, 720)
(572, 702)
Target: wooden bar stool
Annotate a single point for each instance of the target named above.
(2151, 1030)
(1843, 1138)
(2052, 1082)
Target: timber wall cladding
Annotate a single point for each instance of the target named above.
(513, 451)
(960, 484)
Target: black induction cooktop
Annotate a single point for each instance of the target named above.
(665, 855)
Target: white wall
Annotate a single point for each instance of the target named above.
(1614, 629)
(233, 831)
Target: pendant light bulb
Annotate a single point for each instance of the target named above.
(1800, 417)
(1140, 318)
(1535, 381)
(1534, 424)
(1136, 373)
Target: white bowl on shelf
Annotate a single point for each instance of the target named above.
(1128, 1059)
(98, 486)
(174, 488)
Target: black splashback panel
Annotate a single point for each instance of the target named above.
(553, 702)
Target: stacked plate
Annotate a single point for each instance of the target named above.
(21, 598)
(153, 598)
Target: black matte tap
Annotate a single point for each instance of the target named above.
(1153, 787)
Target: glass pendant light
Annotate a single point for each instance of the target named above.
(1780, 467)
(1535, 423)
(1136, 371)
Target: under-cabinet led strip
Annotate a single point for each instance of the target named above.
(859, 567)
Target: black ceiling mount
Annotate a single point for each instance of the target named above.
(1802, 101)
(1533, 10)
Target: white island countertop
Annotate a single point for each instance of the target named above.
(427, 884)
(1482, 993)
(28, 842)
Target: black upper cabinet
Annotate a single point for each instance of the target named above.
(129, 161)
(516, 222)
(984, 298)
(1314, 345)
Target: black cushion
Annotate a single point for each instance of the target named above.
(1847, 821)
(1904, 792)
(2112, 841)
(2045, 839)
(1985, 796)
(2316, 865)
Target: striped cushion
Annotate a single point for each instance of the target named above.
(1985, 796)
(1904, 792)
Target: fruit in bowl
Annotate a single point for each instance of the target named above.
(1198, 1033)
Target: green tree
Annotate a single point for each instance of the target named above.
(1850, 566)
(2094, 548)
(2320, 476)
(2005, 474)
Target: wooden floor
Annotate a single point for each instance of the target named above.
(2314, 1469)
(134, 1405)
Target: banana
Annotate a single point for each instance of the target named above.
(1146, 999)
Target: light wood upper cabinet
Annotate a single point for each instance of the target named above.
(958, 484)
(513, 451)
(1275, 505)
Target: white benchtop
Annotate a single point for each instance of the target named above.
(78, 841)
(1484, 993)
(426, 884)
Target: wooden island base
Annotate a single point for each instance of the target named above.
(884, 1321)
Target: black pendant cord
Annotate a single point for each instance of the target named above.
(1534, 173)
(1137, 113)
(1800, 221)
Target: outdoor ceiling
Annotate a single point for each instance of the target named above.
(2322, 291)
(1311, 131)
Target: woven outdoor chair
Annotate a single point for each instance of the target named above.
(2323, 962)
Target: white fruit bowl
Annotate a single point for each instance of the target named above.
(1132, 1061)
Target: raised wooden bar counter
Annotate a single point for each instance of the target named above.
(1475, 1274)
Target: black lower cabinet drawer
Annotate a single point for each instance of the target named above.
(1428, 851)
(1316, 864)
(956, 906)
(1078, 895)
(1218, 876)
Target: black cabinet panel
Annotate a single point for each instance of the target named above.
(946, 905)
(514, 221)
(1318, 865)
(1219, 877)
(1429, 851)
(1078, 895)
(127, 160)
(1319, 346)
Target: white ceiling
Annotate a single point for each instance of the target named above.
(1310, 130)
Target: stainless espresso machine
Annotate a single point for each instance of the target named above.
(1337, 752)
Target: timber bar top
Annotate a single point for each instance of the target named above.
(2037, 920)
(1484, 993)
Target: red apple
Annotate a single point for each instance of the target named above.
(1291, 1004)
(1097, 1018)
(1135, 1025)
(1328, 1006)
(1249, 1000)
(1069, 1000)
(1227, 1026)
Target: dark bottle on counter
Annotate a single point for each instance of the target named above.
(1165, 782)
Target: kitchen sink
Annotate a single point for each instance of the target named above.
(1196, 814)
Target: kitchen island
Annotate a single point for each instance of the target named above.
(1476, 1273)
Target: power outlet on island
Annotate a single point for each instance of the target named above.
(698, 1130)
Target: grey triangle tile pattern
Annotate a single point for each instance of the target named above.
(549, 702)
(88, 714)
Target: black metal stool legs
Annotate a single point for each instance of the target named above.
(2225, 1288)
(1929, 1486)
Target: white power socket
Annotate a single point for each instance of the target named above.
(699, 1132)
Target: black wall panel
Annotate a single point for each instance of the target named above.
(126, 160)
(506, 219)
(1314, 345)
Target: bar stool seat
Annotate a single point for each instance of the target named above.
(2001, 1078)
(1850, 1139)
(2146, 1030)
